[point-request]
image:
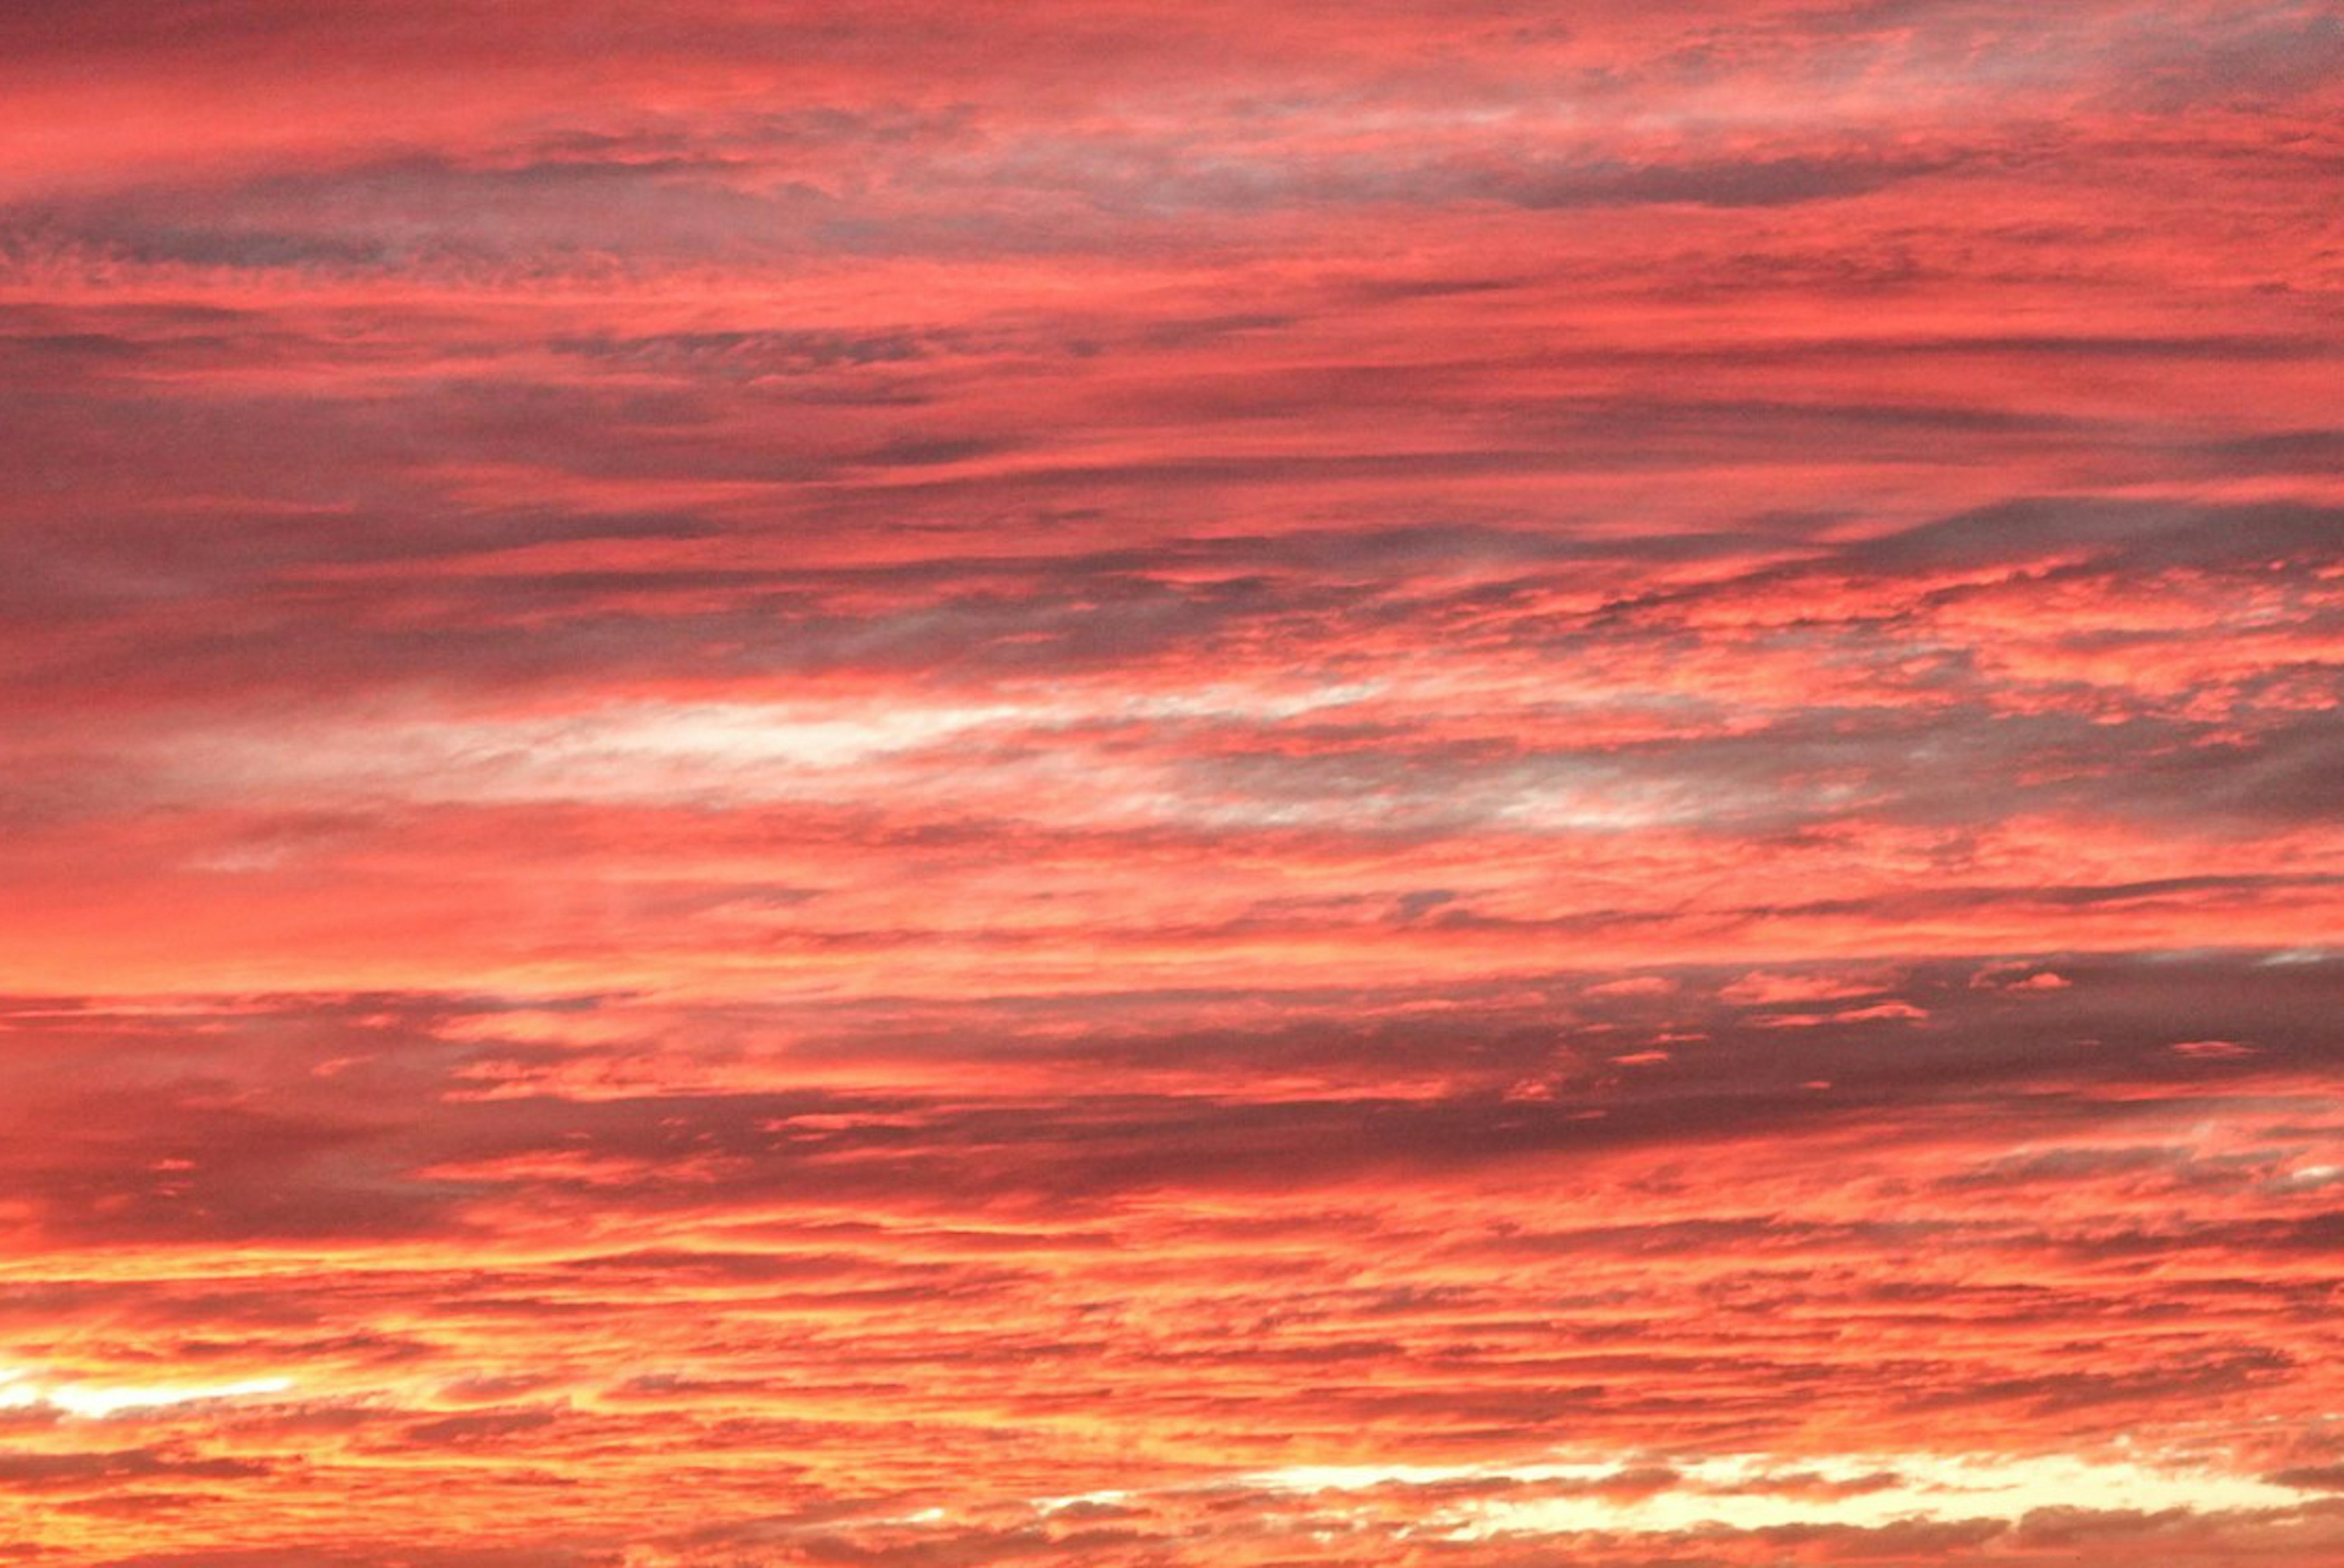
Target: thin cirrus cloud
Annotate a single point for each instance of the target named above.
(1109, 784)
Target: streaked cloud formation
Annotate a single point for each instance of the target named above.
(1127, 784)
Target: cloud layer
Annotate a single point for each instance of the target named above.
(1120, 784)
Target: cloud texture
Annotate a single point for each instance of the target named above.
(1133, 785)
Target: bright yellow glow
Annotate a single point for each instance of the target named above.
(18, 1392)
(1757, 1491)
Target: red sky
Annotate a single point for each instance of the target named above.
(1134, 784)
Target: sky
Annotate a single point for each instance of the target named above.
(927, 784)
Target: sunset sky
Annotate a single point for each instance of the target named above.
(1133, 785)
